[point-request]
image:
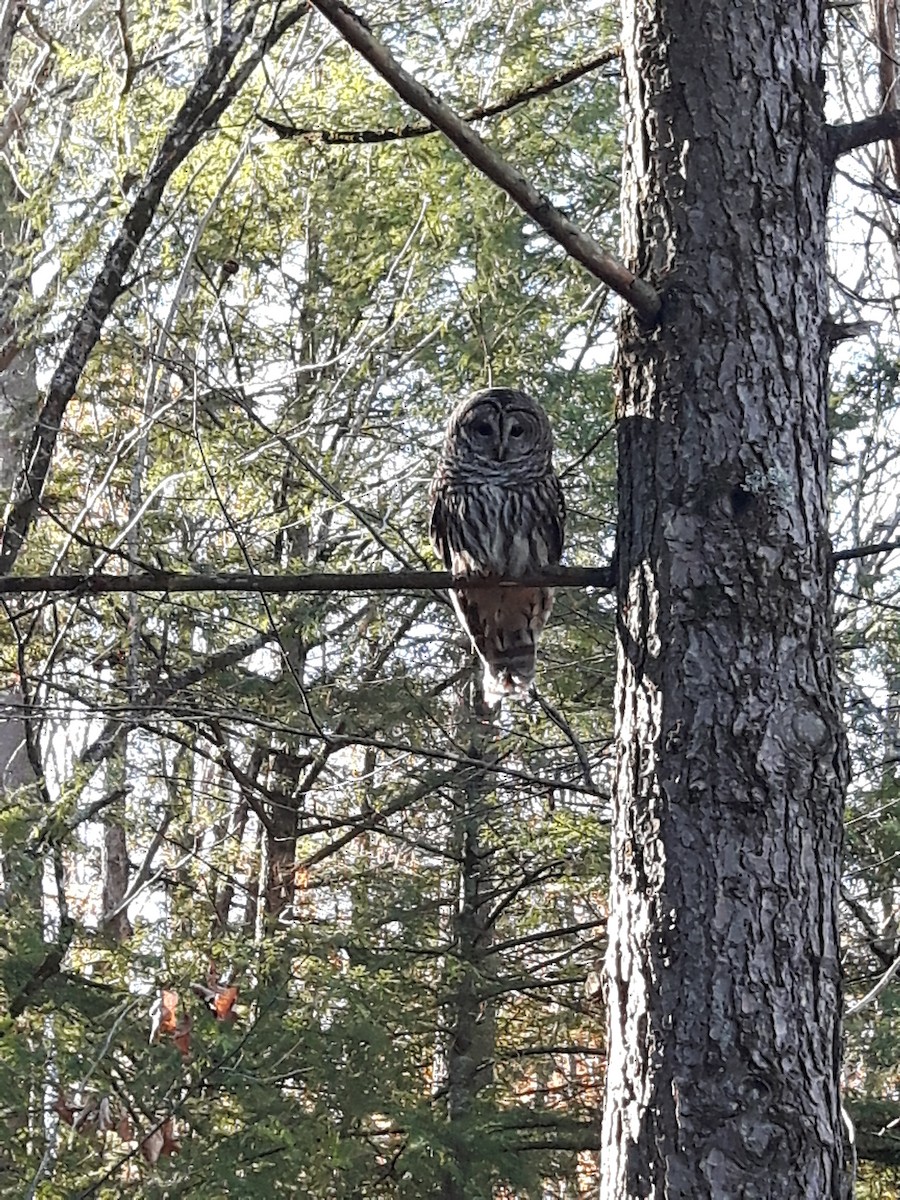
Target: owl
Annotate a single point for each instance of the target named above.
(498, 510)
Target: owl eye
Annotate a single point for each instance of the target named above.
(483, 429)
(516, 431)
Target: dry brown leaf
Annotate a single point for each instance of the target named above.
(181, 1034)
(64, 1110)
(105, 1120)
(171, 1144)
(223, 1004)
(163, 1017)
(219, 1000)
(151, 1146)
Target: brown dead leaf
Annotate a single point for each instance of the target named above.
(171, 1144)
(161, 1142)
(219, 1000)
(223, 1004)
(163, 1017)
(181, 1034)
(151, 1146)
(64, 1110)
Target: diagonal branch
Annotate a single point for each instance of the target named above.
(205, 103)
(543, 87)
(876, 991)
(10, 16)
(578, 244)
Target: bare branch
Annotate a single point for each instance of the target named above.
(864, 551)
(844, 138)
(578, 244)
(333, 581)
(544, 87)
(876, 991)
(127, 49)
(99, 584)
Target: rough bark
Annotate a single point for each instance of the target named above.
(18, 387)
(724, 979)
(281, 855)
(115, 868)
(20, 875)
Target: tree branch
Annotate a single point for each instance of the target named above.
(100, 584)
(844, 138)
(544, 87)
(876, 991)
(333, 581)
(864, 551)
(578, 244)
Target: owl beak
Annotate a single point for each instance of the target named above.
(503, 447)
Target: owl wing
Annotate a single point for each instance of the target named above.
(555, 512)
(438, 527)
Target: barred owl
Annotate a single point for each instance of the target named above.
(498, 510)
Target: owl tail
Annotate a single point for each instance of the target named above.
(505, 624)
(512, 681)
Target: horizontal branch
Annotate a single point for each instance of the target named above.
(543, 87)
(844, 138)
(332, 581)
(864, 551)
(97, 584)
(575, 241)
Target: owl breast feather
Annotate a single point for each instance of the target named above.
(495, 529)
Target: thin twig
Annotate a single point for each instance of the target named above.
(574, 240)
(561, 723)
(544, 87)
(876, 990)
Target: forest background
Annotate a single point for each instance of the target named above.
(282, 913)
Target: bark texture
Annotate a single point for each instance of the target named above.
(724, 1004)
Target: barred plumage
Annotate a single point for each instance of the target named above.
(498, 510)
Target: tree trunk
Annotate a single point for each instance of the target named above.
(115, 872)
(724, 996)
(470, 1015)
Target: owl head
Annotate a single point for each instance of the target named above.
(500, 431)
